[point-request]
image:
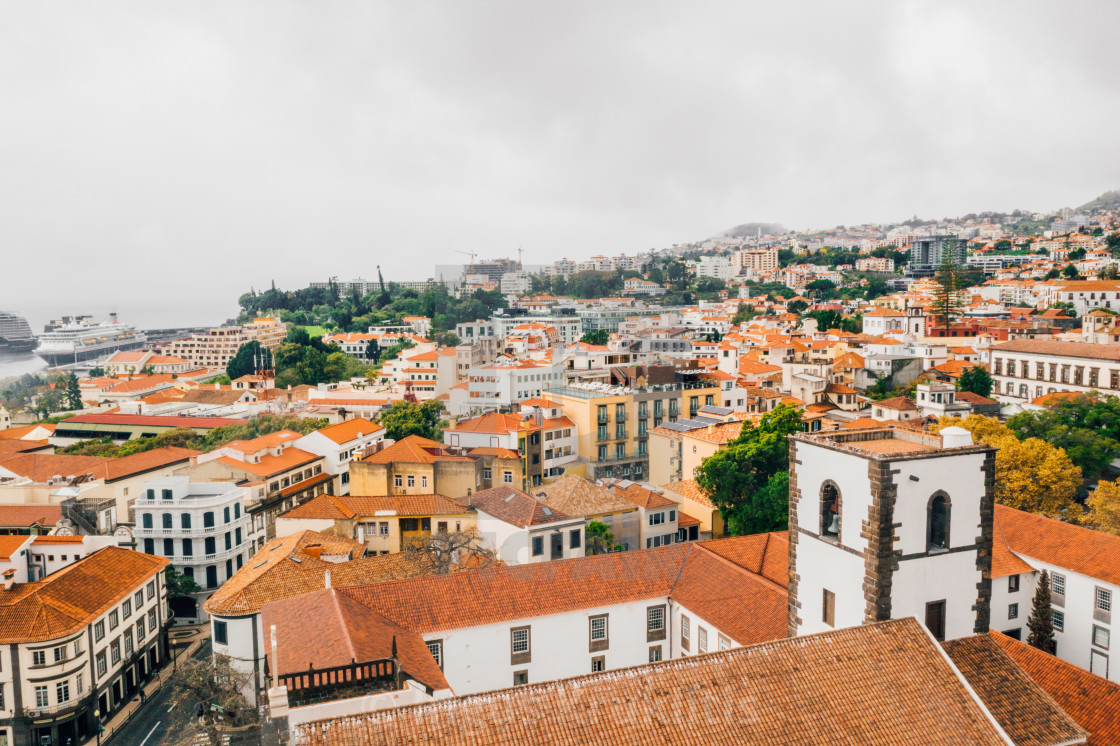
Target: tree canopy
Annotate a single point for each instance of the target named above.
(1087, 427)
(404, 418)
(1104, 508)
(976, 380)
(749, 480)
(1031, 474)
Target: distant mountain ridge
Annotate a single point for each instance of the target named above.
(750, 230)
(1108, 200)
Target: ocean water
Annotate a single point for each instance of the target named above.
(20, 363)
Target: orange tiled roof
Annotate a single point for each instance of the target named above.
(577, 496)
(688, 488)
(12, 543)
(1093, 702)
(514, 507)
(344, 432)
(1017, 702)
(413, 449)
(1083, 550)
(878, 684)
(641, 496)
(270, 465)
(348, 507)
(72, 598)
(23, 516)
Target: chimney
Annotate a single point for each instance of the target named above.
(327, 579)
(9, 579)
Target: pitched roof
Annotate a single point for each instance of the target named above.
(1083, 550)
(70, 599)
(1064, 349)
(1028, 714)
(897, 403)
(141, 420)
(40, 467)
(344, 432)
(269, 464)
(688, 488)
(23, 516)
(514, 507)
(577, 496)
(326, 628)
(292, 565)
(1093, 702)
(348, 507)
(766, 555)
(641, 496)
(18, 433)
(414, 450)
(885, 683)
(12, 543)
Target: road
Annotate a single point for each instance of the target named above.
(158, 722)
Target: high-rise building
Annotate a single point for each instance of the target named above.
(927, 253)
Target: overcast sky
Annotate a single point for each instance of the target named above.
(160, 158)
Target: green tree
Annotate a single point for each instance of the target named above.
(797, 307)
(1086, 427)
(450, 339)
(245, 361)
(977, 380)
(178, 584)
(1041, 621)
(373, 350)
(404, 418)
(945, 302)
(598, 538)
(73, 392)
(1070, 272)
(748, 480)
(598, 337)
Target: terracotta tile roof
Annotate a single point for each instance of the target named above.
(141, 420)
(348, 507)
(327, 628)
(1004, 561)
(1028, 714)
(414, 450)
(762, 554)
(688, 488)
(1083, 550)
(261, 442)
(138, 463)
(143, 383)
(974, 399)
(1063, 349)
(641, 496)
(17, 433)
(72, 598)
(877, 685)
(683, 519)
(12, 543)
(897, 403)
(14, 446)
(577, 496)
(273, 573)
(305, 484)
(344, 432)
(271, 465)
(514, 507)
(1093, 702)
(715, 433)
(493, 422)
(494, 451)
(23, 516)
(39, 467)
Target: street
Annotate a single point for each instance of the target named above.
(160, 723)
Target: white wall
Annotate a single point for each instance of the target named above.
(1002, 598)
(240, 634)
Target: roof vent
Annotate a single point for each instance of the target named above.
(955, 437)
(509, 498)
(262, 564)
(546, 510)
(297, 560)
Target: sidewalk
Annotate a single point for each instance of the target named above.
(124, 715)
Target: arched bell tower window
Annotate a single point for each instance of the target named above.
(830, 512)
(939, 513)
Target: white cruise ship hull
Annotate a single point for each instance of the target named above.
(67, 355)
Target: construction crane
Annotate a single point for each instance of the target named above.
(471, 254)
(520, 253)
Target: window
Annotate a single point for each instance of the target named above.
(656, 519)
(538, 546)
(701, 640)
(225, 514)
(152, 620)
(411, 481)
(185, 520)
(487, 473)
(60, 654)
(435, 647)
(598, 664)
(62, 691)
(597, 633)
(126, 608)
(938, 514)
(830, 512)
(99, 631)
(221, 634)
(1104, 599)
(654, 653)
(150, 589)
(520, 645)
(211, 576)
(128, 642)
(397, 480)
(520, 678)
(1058, 584)
(655, 623)
(210, 545)
(101, 667)
(1059, 618)
(1013, 611)
(507, 477)
(1012, 583)
(78, 684)
(114, 620)
(115, 651)
(574, 538)
(935, 619)
(147, 518)
(39, 658)
(686, 632)
(140, 631)
(77, 647)
(168, 547)
(383, 528)
(188, 547)
(828, 608)
(724, 643)
(1100, 636)
(168, 520)
(41, 697)
(672, 515)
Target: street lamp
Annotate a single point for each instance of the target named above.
(97, 724)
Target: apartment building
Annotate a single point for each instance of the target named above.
(418, 466)
(758, 260)
(1085, 295)
(338, 444)
(215, 348)
(676, 449)
(203, 528)
(613, 422)
(521, 529)
(502, 384)
(1025, 369)
(63, 671)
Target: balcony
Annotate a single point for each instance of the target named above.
(602, 419)
(620, 416)
(643, 414)
(202, 559)
(186, 533)
(601, 435)
(620, 434)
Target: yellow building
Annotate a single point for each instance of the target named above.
(384, 525)
(418, 466)
(675, 452)
(695, 503)
(614, 422)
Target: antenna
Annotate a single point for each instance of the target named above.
(520, 253)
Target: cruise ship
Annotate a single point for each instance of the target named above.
(78, 338)
(15, 333)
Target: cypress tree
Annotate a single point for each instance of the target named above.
(1041, 622)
